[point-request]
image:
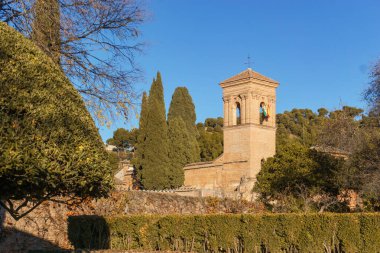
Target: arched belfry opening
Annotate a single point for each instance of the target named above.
(264, 112)
(238, 113)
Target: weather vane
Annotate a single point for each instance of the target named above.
(249, 62)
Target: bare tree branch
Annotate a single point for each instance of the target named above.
(17, 213)
(99, 40)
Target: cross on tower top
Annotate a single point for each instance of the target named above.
(249, 62)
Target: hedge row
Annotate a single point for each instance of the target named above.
(230, 233)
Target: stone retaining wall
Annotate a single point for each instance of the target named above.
(46, 226)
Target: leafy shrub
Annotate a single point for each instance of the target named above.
(49, 144)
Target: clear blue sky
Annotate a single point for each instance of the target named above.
(321, 52)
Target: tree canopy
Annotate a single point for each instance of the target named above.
(74, 32)
(296, 171)
(124, 139)
(336, 128)
(210, 138)
(182, 106)
(49, 144)
(299, 123)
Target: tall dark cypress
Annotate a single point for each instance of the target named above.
(140, 147)
(182, 106)
(179, 153)
(155, 170)
(46, 27)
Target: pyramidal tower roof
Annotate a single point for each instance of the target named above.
(246, 75)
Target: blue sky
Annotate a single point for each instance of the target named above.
(321, 52)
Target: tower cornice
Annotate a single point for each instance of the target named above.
(249, 76)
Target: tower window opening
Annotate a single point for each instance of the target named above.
(238, 116)
(264, 116)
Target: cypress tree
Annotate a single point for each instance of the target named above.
(179, 153)
(154, 164)
(46, 28)
(144, 112)
(182, 106)
(139, 153)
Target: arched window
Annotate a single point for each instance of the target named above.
(238, 117)
(263, 112)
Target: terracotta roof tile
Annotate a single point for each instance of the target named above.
(248, 74)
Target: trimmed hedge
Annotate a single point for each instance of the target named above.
(230, 232)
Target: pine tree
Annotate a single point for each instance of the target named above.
(140, 149)
(46, 28)
(154, 165)
(182, 106)
(179, 153)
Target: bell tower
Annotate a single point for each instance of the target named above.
(249, 125)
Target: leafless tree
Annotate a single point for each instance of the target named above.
(96, 47)
(372, 93)
(303, 199)
(341, 130)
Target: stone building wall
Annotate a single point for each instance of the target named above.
(124, 176)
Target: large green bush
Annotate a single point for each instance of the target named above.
(298, 178)
(231, 233)
(49, 144)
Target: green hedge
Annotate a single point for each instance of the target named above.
(230, 232)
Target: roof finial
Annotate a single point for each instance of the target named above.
(249, 62)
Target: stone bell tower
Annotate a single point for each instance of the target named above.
(249, 125)
(249, 137)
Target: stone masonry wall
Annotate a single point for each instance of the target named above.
(46, 226)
